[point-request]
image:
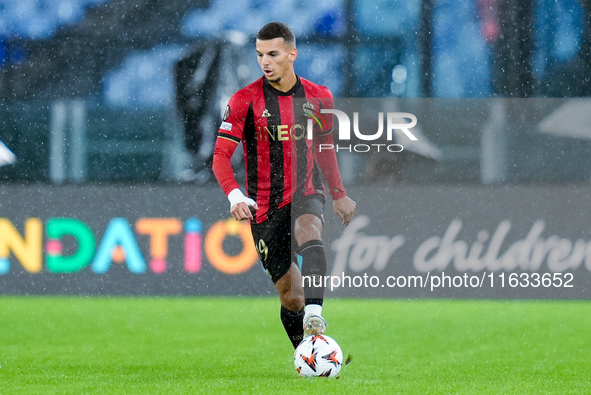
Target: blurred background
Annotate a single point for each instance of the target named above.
(132, 90)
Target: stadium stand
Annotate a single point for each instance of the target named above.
(117, 57)
(70, 60)
(38, 19)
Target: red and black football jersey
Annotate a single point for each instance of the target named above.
(281, 158)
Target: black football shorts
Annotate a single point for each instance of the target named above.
(274, 239)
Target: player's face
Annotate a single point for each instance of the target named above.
(275, 58)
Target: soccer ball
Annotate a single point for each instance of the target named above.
(318, 356)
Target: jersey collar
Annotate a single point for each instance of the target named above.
(280, 93)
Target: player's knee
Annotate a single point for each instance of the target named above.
(293, 303)
(308, 229)
(292, 298)
(290, 290)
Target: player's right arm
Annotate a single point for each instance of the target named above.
(228, 138)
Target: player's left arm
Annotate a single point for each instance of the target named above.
(343, 206)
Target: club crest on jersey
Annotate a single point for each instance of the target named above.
(266, 113)
(308, 108)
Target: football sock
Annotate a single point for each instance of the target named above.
(293, 322)
(313, 271)
(312, 309)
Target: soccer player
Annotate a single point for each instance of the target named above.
(285, 197)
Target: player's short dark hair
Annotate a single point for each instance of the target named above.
(276, 30)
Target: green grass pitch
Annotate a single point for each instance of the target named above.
(227, 345)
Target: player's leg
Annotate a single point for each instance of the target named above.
(291, 294)
(272, 240)
(308, 228)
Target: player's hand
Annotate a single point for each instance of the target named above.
(242, 211)
(241, 207)
(344, 208)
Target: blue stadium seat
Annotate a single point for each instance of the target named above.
(306, 17)
(38, 19)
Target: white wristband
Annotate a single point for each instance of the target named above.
(236, 196)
